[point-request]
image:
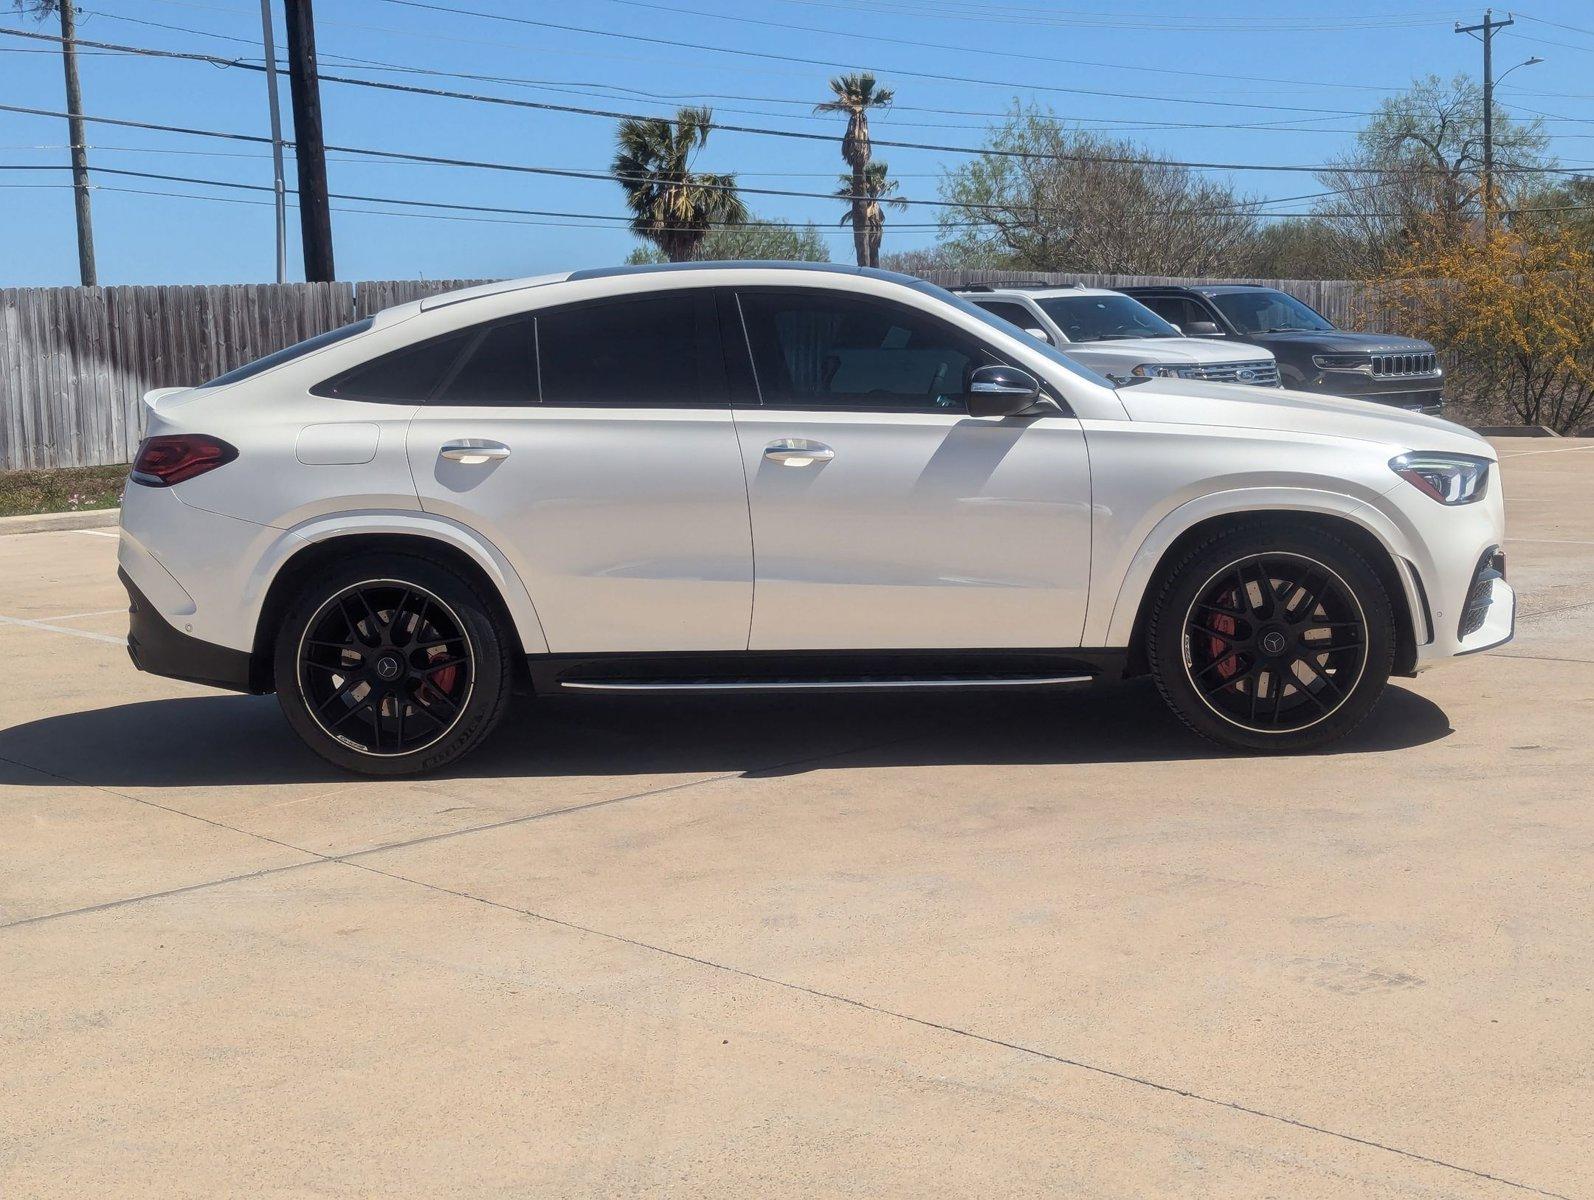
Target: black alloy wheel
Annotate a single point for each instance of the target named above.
(1271, 636)
(385, 667)
(1275, 643)
(392, 663)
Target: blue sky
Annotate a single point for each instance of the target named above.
(1240, 64)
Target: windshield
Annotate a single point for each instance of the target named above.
(1050, 353)
(288, 354)
(1267, 311)
(1104, 318)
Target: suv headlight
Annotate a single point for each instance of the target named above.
(1162, 371)
(1447, 478)
(1343, 362)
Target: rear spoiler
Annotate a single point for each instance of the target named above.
(153, 398)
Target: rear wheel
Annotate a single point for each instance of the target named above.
(392, 664)
(1272, 639)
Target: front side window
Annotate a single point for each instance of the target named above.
(822, 350)
(634, 352)
(1267, 311)
(1105, 318)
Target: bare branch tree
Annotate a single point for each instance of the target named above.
(1055, 206)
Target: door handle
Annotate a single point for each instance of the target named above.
(798, 452)
(474, 453)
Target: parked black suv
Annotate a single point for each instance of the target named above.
(1313, 356)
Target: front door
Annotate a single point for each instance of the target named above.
(884, 516)
(593, 445)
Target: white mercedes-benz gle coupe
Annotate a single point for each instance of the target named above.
(772, 477)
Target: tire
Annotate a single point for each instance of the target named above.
(392, 664)
(1271, 638)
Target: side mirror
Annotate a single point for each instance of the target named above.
(1035, 331)
(1001, 391)
(1204, 329)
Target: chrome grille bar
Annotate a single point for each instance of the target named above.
(1389, 366)
(1263, 374)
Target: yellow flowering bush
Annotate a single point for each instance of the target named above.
(1512, 311)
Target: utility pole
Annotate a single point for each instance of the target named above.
(315, 217)
(80, 153)
(1487, 28)
(278, 186)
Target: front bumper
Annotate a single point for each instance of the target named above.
(1423, 394)
(155, 646)
(1489, 617)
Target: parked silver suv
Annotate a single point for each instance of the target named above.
(1119, 337)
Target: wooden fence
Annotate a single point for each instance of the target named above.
(76, 362)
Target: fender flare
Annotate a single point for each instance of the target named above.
(492, 561)
(1245, 501)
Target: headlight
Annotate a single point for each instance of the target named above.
(1447, 478)
(1162, 371)
(1343, 362)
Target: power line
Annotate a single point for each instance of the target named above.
(575, 87)
(829, 64)
(1209, 23)
(454, 206)
(986, 51)
(802, 135)
(1240, 209)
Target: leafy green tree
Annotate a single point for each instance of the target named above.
(1293, 248)
(752, 241)
(673, 206)
(855, 95)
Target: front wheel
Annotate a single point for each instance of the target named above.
(392, 664)
(1271, 639)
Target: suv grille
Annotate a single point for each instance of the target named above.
(1265, 373)
(1389, 366)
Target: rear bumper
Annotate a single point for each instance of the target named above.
(155, 646)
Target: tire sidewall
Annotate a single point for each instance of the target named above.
(485, 641)
(1182, 586)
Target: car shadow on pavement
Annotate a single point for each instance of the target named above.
(221, 740)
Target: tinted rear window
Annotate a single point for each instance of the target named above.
(288, 354)
(628, 352)
(407, 376)
(500, 370)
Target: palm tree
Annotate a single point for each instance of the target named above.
(877, 189)
(673, 206)
(855, 95)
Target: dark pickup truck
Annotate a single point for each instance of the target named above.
(1312, 355)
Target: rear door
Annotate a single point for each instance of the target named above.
(593, 444)
(884, 516)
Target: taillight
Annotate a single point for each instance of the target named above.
(172, 458)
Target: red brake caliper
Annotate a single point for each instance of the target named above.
(1224, 624)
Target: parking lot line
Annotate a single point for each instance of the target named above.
(82, 633)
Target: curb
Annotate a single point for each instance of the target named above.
(1515, 431)
(99, 518)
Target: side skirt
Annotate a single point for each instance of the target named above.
(820, 671)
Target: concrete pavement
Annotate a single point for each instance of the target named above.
(841, 946)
